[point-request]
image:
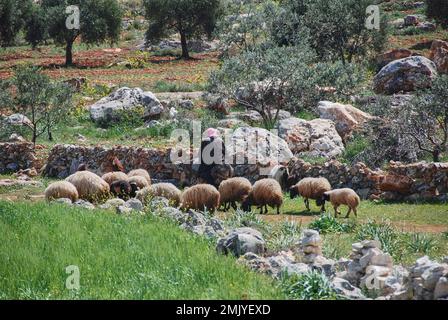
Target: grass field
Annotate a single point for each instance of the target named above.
(137, 257)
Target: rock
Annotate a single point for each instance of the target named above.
(345, 289)
(439, 54)
(248, 145)
(241, 241)
(217, 103)
(392, 55)
(63, 201)
(407, 74)
(15, 138)
(411, 20)
(316, 138)
(113, 203)
(124, 210)
(396, 183)
(346, 117)
(382, 259)
(371, 244)
(108, 109)
(230, 123)
(18, 119)
(158, 203)
(84, 204)
(427, 26)
(432, 275)
(134, 204)
(441, 289)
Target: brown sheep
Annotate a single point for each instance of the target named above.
(90, 186)
(265, 192)
(112, 177)
(141, 182)
(61, 189)
(200, 197)
(311, 188)
(165, 190)
(234, 190)
(340, 197)
(140, 173)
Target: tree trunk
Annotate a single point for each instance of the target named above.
(184, 43)
(436, 155)
(69, 53)
(34, 135)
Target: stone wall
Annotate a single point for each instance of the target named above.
(397, 182)
(17, 156)
(416, 181)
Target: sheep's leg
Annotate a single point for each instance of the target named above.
(234, 206)
(278, 209)
(261, 210)
(322, 209)
(348, 213)
(336, 211)
(307, 204)
(356, 212)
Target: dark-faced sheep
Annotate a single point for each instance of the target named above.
(311, 188)
(61, 189)
(265, 192)
(140, 173)
(200, 197)
(90, 186)
(140, 181)
(112, 177)
(340, 197)
(123, 189)
(165, 190)
(234, 190)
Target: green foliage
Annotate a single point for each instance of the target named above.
(354, 147)
(312, 285)
(438, 10)
(241, 218)
(383, 232)
(189, 18)
(13, 17)
(100, 21)
(132, 257)
(421, 243)
(36, 26)
(336, 29)
(284, 237)
(326, 223)
(34, 95)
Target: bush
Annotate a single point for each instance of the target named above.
(438, 10)
(421, 243)
(328, 224)
(383, 232)
(312, 285)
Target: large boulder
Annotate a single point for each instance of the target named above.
(110, 108)
(439, 54)
(17, 119)
(317, 138)
(241, 241)
(257, 146)
(404, 75)
(346, 117)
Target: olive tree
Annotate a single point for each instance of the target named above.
(99, 22)
(438, 10)
(13, 15)
(33, 94)
(188, 18)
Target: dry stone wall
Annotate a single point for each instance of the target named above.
(17, 156)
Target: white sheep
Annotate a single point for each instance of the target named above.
(165, 190)
(61, 189)
(311, 188)
(280, 174)
(200, 197)
(234, 190)
(265, 192)
(140, 173)
(90, 186)
(340, 197)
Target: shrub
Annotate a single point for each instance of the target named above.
(285, 237)
(312, 285)
(383, 232)
(326, 223)
(421, 243)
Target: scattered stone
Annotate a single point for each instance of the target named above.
(15, 138)
(411, 20)
(18, 119)
(113, 203)
(84, 204)
(63, 201)
(345, 289)
(439, 54)
(134, 204)
(392, 55)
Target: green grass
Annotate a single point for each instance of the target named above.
(137, 257)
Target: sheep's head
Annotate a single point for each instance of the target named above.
(246, 205)
(293, 192)
(134, 190)
(325, 197)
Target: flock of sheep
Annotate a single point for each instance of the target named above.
(88, 186)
